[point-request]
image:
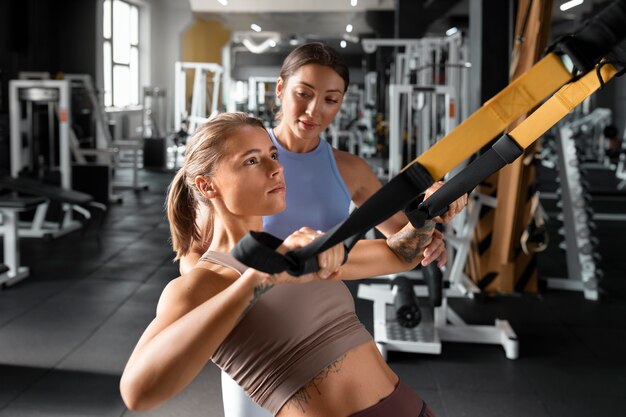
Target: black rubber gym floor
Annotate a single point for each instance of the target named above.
(66, 331)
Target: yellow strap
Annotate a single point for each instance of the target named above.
(519, 97)
(559, 105)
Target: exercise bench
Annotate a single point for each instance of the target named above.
(10, 207)
(70, 200)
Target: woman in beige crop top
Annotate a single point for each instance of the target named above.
(231, 175)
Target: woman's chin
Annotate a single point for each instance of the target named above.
(282, 207)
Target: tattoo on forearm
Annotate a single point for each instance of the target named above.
(258, 291)
(303, 396)
(409, 242)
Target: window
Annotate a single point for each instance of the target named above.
(121, 53)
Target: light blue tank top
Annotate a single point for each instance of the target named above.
(317, 196)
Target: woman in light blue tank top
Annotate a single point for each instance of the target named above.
(321, 181)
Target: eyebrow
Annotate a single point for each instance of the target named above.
(334, 90)
(256, 150)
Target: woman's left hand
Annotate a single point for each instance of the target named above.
(436, 250)
(453, 209)
(329, 261)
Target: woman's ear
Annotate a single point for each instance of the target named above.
(280, 84)
(205, 186)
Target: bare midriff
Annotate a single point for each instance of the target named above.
(352, 383)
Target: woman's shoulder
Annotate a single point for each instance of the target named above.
(356, 172)
(349, 160)
(191, 289)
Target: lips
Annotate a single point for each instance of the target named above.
(280, 188)
(308, 125)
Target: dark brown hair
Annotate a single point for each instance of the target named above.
(312, 53)
(315, 53)
(203, 153)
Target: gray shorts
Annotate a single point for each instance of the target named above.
(402, 402)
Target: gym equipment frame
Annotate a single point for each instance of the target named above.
(39, 227)
(10, 207)
(197, 111)
(395, 126)
(108, 149)
(441, 323)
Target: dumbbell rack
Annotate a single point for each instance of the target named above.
(441, 323)
(579, 242)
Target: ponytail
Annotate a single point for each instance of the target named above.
(181, 213)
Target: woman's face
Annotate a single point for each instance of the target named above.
(249, 179)
(310, 99)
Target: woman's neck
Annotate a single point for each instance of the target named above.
(293, 143)
(227, 232)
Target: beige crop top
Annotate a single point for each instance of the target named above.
(290, 335)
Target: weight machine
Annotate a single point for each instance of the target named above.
(206, 76)
(352, 123)
(107, 150)
(430, 108)
(261, 97)
(50, 93)
(432, 67)
(428, 61)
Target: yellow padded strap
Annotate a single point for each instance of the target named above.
(559, 105)
(518, 98)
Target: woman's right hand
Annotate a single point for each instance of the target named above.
(329, 261)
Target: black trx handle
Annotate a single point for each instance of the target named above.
(504, 151)
(258, 249)
(600, 34)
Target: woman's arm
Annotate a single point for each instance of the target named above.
(399, 253)
(195, 314)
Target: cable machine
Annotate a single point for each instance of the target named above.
(26, 155)
(206, 76)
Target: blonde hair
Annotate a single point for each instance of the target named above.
(203, 153)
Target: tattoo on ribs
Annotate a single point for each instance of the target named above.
(408, 243)
(301, 398)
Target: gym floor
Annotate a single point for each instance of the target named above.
(67, 330)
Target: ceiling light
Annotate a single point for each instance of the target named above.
(255, 42)
(223, 2)
(569, 4)
(349, 28)
(293, 41)
(255, 27)
(451, 31)
(343, 44)
(256, 48)
(353, 3)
